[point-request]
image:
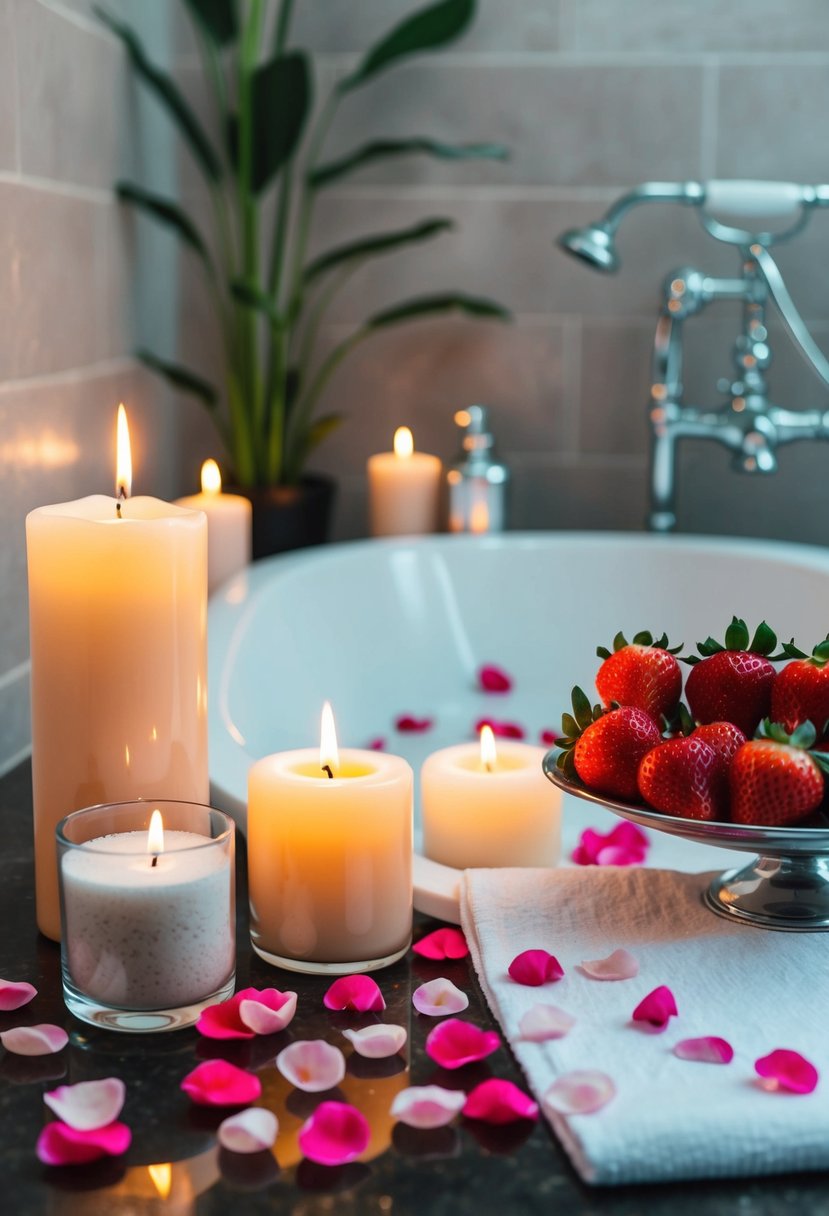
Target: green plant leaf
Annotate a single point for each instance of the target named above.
(371, 245)
(424, 306)
(281, 102)
(162, 85)
(216, 17)
(253, 297)
(427, 30)
(167, 213)
(383, 149)
(180, 377)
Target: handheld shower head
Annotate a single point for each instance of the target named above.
(594, 244)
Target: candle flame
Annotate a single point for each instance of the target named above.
(329, 753)
(155, 836)
(162, 1176)
(489, 755)
(479, 518)
(123, 460)
(211, 478)
(403, 442)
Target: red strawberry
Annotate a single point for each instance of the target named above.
(774, 780)
(643, 673)
(680, 777)
(604, 747)
(800, 692)
(733, 683)
(726, 740)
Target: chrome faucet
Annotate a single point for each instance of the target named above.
(749, 423)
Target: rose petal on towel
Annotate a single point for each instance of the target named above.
(42, 1040)
(335, 1134)
(544, 1022)
(581, 1092)
(88, 1104)
(535, 967)
(620, 965)
(269, 1012)
(357, 992)
(787, 1070)
(60, 1144)
(377, 1042)
(408, 724)
(497, 1101)
(547, 737)
(377, 744)
(657, 1008)
(217, 1083)
(708, 1049)
(455, 1042)
(311, 1065)
(441, 944)
(439, 997)
(502, 730)
(249, 1131)
(427, 1106)
(493, 679)
(625, 845)
(14, 995)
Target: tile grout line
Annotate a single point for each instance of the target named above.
(572, 333)
(12, 761)
(71, 375)
(50, 185)
(15, 673)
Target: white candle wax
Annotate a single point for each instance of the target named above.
(330, 860)
(509, 816)
(118, 630)
(143, 936)
(229, 523)
(404, 490)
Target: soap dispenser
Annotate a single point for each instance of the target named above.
(476, 481)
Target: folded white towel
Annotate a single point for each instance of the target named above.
(671, 1118)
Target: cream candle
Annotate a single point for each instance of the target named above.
(229, 522)
(404, 489)
(330, 858)
(118, 630)
(488, 806)
(148, 914)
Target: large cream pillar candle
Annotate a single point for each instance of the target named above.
(330, 860)
(229, 522)
(483, 806)
(404, 489)
(118, 632)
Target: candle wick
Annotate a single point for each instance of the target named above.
(118, 509)
(488, 766)
(326, 768)
(154, 861)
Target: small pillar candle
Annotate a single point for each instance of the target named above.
(330, 859)
(404, 489)
(229, 523)
(483, 806)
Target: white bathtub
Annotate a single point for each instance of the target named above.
(381, 628)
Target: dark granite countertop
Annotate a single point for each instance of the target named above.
(470, 1168)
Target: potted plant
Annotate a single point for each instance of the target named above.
(269, 295)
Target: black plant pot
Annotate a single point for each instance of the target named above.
(290, 517)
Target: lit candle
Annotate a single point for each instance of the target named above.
(118, 628)
(228, 526)
(330, 857)
(404, 489)
(488, 806)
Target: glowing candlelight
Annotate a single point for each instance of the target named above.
(123, 456)
(329, 752)
(403, 443)
(489, 755)
(211, 478)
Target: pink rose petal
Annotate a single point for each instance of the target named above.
(657, 1008)
(544, 1022)
(249, 1131)
(269, 1012)
(548, 738)
(377, 1042)
(427, 1106)
(502, 730)
(312, 1065)
(618, 855)
(494, 679)
(357, 992)
(377, 744)
(13, 995)
(60, 1144)
(581, 1092)
(335, 1134)
(439, 997)
(442, 943)
(497, 1101)
(41, 1040)
(89, 1104)
(454, 1043)
(706, 1050)
(217, 1083)
(535, 967)
(625, 845)
(407, 724)
(788, 1070)
(620, 965)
